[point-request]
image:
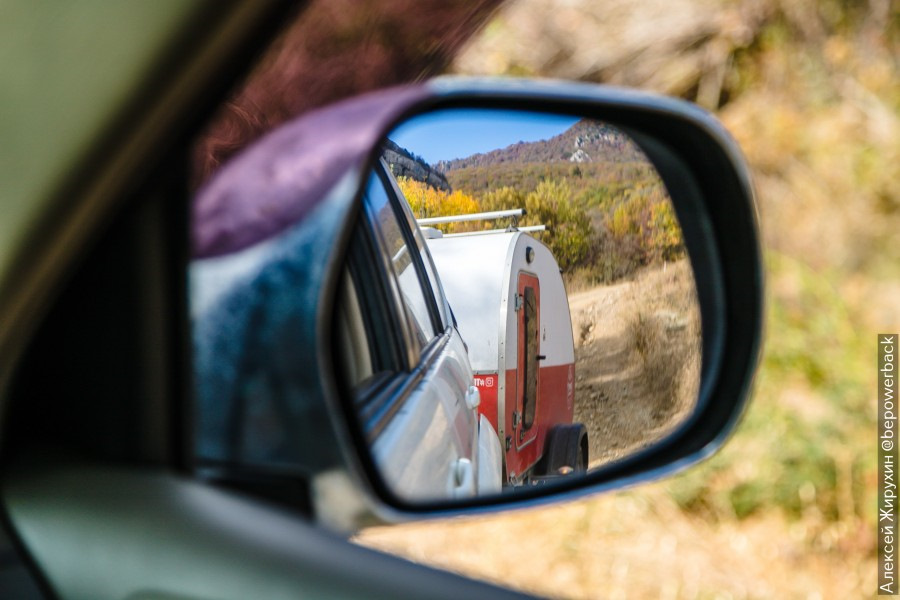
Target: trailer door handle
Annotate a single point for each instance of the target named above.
(542, 357)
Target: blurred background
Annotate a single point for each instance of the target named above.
(811, 92)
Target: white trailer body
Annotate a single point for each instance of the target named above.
(511, 308)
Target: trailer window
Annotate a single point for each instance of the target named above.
(531, 357)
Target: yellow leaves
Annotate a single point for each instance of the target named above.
(426, 201)
(621, 223)
(645, 220)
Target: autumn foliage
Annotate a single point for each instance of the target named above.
(427, 201)
(599, 228)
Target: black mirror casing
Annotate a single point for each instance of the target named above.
(702, 170)
(713, 197)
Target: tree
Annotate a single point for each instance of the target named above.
(425, 201)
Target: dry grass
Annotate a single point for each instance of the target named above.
(634, 545)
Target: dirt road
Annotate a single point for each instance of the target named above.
(637, 359)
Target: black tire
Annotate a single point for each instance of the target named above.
(566, 447)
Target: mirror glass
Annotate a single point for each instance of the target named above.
(518, 305)
(515, 307)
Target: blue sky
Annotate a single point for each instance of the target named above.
(458, 133)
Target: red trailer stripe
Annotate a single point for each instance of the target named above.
(556, 404)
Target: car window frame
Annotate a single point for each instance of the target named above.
(386, 341)
(407, 225)
(377, 403)
(441, 308)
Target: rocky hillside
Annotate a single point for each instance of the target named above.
(404, 163)
(586, 141)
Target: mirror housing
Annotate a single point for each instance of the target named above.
(305, 184)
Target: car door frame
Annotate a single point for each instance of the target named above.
(408, 406)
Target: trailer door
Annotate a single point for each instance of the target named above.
(529, 350)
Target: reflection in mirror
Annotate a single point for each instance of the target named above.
(518, 305)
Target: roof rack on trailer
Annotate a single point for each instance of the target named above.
(484, 216)
(431, 233)
(527, 229)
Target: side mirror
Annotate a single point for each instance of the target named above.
(473, 293)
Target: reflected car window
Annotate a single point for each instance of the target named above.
(352, 339)
(402, 263)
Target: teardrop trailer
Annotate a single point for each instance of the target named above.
(507, 295)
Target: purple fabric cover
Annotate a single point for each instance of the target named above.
(277, 180)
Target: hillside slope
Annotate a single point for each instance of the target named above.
(586, 141)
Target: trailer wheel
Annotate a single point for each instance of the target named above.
(566, 448)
